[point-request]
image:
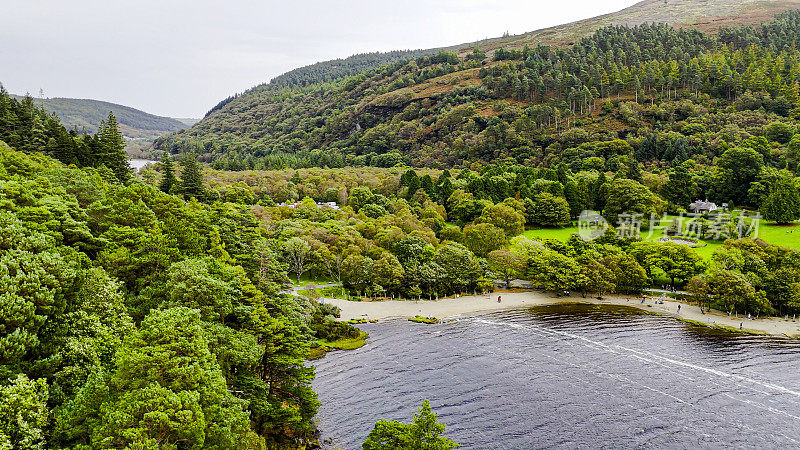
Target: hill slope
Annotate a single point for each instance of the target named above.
(704, 15)
(450, 108)
(87, 114)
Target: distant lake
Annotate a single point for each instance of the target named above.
(137, 164)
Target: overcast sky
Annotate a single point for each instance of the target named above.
(179, 58)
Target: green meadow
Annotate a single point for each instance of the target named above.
(784, 235)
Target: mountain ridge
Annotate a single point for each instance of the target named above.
(86, 114)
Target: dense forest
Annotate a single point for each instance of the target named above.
(154, 309)
(133, 318)
(667, 93)
(27, 127)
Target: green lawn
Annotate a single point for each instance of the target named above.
(771, 233)
(307, 279)
(787, 236)
(327, 292)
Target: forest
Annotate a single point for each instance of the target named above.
(170, 284)
(155, 309)
(667, 93)
(136, 318)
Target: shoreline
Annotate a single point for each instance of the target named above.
(442, 308)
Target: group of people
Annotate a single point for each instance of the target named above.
(668, 287)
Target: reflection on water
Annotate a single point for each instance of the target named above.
(567, 376)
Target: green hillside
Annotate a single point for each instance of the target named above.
(708, 15)
(87, 114)
(531, 104)
(704, 15)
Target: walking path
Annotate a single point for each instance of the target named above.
(474, 303)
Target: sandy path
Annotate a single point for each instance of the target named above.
(468, 304)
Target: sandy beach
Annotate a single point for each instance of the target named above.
(474, 303)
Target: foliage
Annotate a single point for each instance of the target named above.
(782, 205)
(23, 413)
(549, 210)
(423, 433)
(420, 319)
(649, 93)
(28, 128)
(128, 309)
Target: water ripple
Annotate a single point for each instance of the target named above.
(566, 377)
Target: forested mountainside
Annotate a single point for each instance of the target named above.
(707, 15)
(667, 93)
(86, 114)
(330, 70)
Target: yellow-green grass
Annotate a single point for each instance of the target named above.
(727, 328)
(306, 279)
(324, 346)
(784, 235)
(327, 292)
(420, 319)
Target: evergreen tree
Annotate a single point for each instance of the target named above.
(679, 188)
(634, 172)
(112, 146)
(169, 389)
(168, 179)
(191, 178)
(425, 432)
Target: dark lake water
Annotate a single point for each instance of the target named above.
(576, 376)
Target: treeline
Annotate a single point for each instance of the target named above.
(339, 68)
(29, 128)
(86, 115)
(406, 234)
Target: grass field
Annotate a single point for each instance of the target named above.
(327, 292)
(306, 279)
(786, 236)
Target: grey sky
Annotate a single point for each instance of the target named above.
(179, 58)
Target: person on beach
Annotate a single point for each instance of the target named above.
(741, 324)
(498, 299)
(679, 308)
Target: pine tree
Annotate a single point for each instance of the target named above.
(168, 179)
(634, 171)
(191, 178)
(112, 146)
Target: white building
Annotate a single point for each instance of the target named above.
(703, 206)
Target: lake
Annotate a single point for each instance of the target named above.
(137, 164)
(566, 376)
